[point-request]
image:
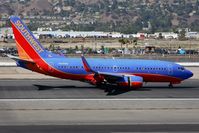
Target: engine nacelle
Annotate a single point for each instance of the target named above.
(131, 81)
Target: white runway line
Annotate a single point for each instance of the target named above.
(143, 99)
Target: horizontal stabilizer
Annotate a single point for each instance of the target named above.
(18, 59)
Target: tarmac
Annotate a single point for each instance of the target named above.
(31, 103)
(54, 105)
(67, 89)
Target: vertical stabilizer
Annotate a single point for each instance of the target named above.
(28, 46)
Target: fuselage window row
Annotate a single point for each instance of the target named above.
(95, 67)
(107, 67)
(149, 68)
(119, 68)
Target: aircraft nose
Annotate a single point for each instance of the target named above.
(188, 74)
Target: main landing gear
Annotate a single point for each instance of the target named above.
(170, 85)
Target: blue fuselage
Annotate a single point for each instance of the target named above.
(145, 68)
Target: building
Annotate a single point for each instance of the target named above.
(166, 35)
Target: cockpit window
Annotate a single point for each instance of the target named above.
(181, 68)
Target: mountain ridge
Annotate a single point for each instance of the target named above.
(112, 15)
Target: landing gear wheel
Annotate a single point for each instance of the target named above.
(170, 85)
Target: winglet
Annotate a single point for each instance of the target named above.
(86, 65)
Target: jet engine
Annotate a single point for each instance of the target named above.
(130, 81)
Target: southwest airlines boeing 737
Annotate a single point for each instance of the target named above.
(129, 73)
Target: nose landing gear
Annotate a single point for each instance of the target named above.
(170, 85)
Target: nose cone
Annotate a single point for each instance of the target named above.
(188, 74)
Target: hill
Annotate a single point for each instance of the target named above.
(126, 16)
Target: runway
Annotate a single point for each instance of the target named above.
(192, 128)
(58, 106)
(67, 89)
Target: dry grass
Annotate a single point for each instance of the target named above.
(113, 43)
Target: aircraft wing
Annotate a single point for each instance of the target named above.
(119, 75)
(106, 75)
(110, 74)
(121, 79)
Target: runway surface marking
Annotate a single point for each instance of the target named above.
(124, 99)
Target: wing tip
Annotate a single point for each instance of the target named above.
(85, 64)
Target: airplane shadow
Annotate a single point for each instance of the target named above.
(111, 90)
(46, 87)
(166, 87)
(114, 90)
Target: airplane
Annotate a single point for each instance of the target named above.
(131, 73)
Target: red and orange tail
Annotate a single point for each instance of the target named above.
(28, 46)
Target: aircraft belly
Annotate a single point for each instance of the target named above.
(158, 78)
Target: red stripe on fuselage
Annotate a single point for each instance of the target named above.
(147, 77)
